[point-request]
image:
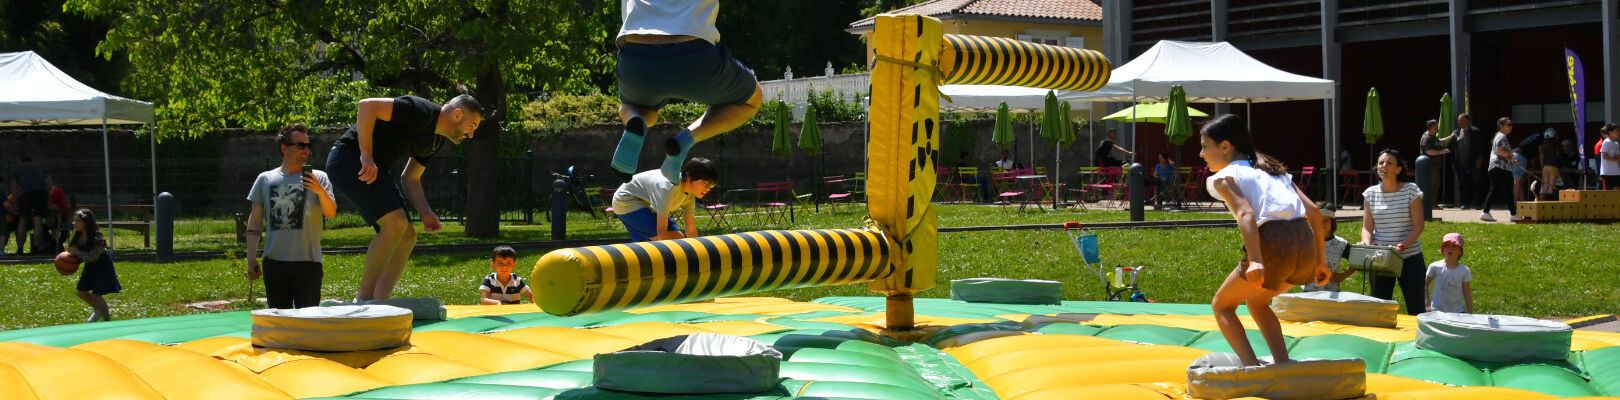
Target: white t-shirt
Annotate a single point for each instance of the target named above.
(1334, 250)
(1610, 168)
(1392, 215)
(1272, 197)
(670, 18)
(650, 189)
(1447, 292)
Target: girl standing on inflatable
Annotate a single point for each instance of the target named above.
(97, 278)
(1281, 243)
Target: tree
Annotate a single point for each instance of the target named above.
(67, 41)
(209, 64)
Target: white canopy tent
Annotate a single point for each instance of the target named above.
(34, 93)
(1210, 72)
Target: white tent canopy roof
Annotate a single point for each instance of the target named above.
(34, 92)
(986, 98)
(1211, 72)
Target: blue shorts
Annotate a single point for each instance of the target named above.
(650, 75)
(643, 224)
(373, 201)
(1518, 171)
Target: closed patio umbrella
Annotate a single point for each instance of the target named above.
(1178, 125)
(1372, 123)
(810, 133)
(782, 143)
(1003, 134)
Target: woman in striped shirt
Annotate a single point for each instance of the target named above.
(1392, 215)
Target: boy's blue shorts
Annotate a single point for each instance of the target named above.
(650, 75)
(643, 224)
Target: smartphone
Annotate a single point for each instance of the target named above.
(306, 170)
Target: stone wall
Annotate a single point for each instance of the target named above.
(213, 174)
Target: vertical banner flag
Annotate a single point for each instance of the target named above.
(1577, 99)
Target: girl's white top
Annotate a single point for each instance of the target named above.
(1271, 197)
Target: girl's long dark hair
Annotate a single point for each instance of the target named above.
(1231, 128)
(92, 231)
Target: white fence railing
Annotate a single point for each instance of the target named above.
(851, 87)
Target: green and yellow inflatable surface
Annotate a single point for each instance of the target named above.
(832, 349)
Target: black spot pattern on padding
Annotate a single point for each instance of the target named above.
(914, 133)
(928, 127)
(916, 96)
(911, 206)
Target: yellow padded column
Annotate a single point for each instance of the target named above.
(902, 151)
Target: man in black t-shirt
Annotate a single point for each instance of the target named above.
(387, 131)
(1104, 155)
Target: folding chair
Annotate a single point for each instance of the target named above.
(1012, 193)
(1193, 188)
(1108, 182)
(1350, 183)
(771, 198)
(945, 185)
(965, 191)
(860, 185)
(1303, 179)
(836, 191)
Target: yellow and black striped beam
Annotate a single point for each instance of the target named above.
(596, 279)
(983, 60)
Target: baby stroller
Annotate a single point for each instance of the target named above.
(1114, 286)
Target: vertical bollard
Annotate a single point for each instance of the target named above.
(165, 226)
(559, 210)
(1133, 182)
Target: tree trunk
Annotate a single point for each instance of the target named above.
(483, 208)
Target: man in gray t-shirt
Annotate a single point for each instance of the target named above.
(290, 203)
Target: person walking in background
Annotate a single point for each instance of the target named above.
(1428, 172)
(31, 203)
(1501, 165)
(387, 131)
(1609, 152)
(1391, 215)
(1549, 165)
(670, 50)
(291, 204)
(1472, 149)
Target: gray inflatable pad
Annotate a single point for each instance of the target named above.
(700, 363)
(422, 308)
(1338, 307)
(1007, 291)
(1485, 337)
(1223, 376)
(336, 328)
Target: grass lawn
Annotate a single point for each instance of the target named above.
(1550, 270)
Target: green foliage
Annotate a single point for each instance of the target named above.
(767, 112)
(209, 64)
(560, 112)
(958, 137)
(831, 106)
(681, 112)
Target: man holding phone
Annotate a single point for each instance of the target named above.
(290, 204)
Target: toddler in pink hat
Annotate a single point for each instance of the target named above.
(1448, 282)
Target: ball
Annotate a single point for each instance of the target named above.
(67, 263)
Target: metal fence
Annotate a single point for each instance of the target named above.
(797, 91)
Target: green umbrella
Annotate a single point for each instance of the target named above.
(1051, 118)
(1373, 124)
(1149, 112)
(1068, 125)
(1448, 119)
(810, 134)
(1179, 125)
(782, 144)
(1003, 136)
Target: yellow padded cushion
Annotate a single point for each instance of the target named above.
(475, 349)
(61, 373)
(181, 374)
(574, 343)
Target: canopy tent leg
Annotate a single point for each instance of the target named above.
(106, 166)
